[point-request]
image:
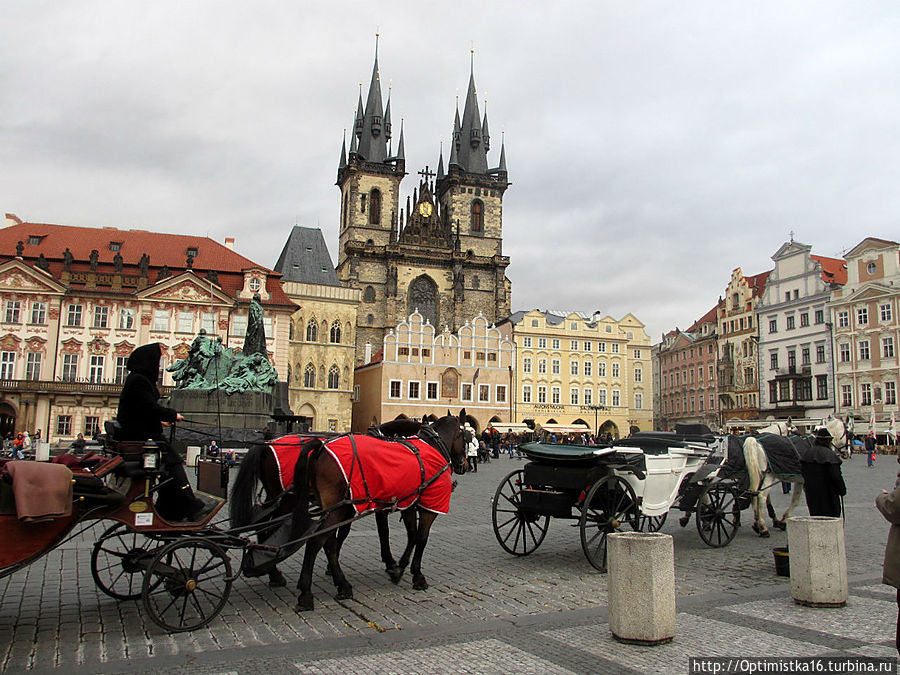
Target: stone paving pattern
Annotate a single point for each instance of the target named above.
(486, 611)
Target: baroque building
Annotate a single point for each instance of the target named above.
(420, 372)
(580, 372)
(322, 333)
(796, 367)
(738, 372)
(687, 369)
(441, 253)
(75, 301)
(864, 313)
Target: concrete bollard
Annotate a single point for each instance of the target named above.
(818, 561)
(641, 587)
(193, 453)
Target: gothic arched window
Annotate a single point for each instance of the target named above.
(334, 377)
(335, 335)
(477, 216)
(369, 294)
(312, 331)
(423, 296)
(370, 319)
(309, 376)
(375, 207)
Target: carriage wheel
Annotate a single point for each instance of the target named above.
(119, 559)
(187, 584)
(718, 515)
(609, 505)
(518, 532)
(652, 523)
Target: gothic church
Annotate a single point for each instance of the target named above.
(442, 252)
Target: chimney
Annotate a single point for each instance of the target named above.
(12, 219)
(368, 353)
(229, 243)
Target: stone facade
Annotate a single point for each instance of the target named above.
(738, 373)
(795, 357)
(864, 314)
(76, 301)
(441, 254)
(422, 372)
(573, 369)
(687, 375)
(322, 354)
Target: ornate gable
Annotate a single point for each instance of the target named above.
(17, 276)
(185, 287)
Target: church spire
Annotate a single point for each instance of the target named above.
(373, 133)
(343, 161)
(502, 166)
(401, 149)
(472, 150)
(440, 169)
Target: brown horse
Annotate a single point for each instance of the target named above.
(272, 502)
(319, 476)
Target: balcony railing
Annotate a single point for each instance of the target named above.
(67, 386)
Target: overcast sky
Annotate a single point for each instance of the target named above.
(652, 146)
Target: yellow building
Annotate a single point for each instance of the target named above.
(579, 372)
(322, 333)
(419, 371)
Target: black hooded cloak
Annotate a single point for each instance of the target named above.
(140, 413)
(823, 482)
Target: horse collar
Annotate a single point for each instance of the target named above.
(430, 436)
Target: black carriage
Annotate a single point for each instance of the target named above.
(632, 484)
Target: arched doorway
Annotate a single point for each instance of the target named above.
(7, 419)
(581, 421)
(472, 422)
(609, 427)
(306, 417)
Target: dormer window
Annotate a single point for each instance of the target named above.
(254, 284)
(115, 246)
(35, 239)
(192, 252)
(475, 137)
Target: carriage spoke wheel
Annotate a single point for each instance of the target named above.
(718, 515)
(608, 507)
(518, 532)
(652, 523)
(187, 584)
(118, 561)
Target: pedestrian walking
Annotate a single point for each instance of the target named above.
(888, 503)
(472, 455)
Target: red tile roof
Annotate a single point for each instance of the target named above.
(757, 283)
(834, 270)
(164, 250)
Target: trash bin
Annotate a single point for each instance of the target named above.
(818, 561)
(782, 561)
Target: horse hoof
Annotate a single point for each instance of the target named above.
(395, 574)
(779, 524)
(420, 584)
(305, 605)
(277, 580)
(683, 521)
(760, 531)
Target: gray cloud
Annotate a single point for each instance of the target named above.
(652, 148)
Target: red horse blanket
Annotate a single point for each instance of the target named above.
(380, 472)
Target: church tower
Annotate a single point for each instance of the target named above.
(441, 252)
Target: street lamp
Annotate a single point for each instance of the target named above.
(596, 409)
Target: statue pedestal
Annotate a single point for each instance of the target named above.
(215, 408)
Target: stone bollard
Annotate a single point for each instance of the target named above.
(818, 561)
(641, 587)
(193, 454)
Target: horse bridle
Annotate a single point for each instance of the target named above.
(430, 436)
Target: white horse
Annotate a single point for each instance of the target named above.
(761, 479)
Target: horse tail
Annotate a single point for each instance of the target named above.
(241, 502)
(301, 518)
(752, 452)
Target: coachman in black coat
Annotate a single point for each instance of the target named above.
(823, 482)
(141, 416)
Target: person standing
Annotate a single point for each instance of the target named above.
(888, 503)
(472, 455)
(870, 449)
(823, 482)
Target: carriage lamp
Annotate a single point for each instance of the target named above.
(151, 455)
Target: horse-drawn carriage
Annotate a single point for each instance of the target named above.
(633, 483)
(181, 571)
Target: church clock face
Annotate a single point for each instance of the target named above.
(425, 209)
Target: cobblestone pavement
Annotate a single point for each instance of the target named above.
(485, 612)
